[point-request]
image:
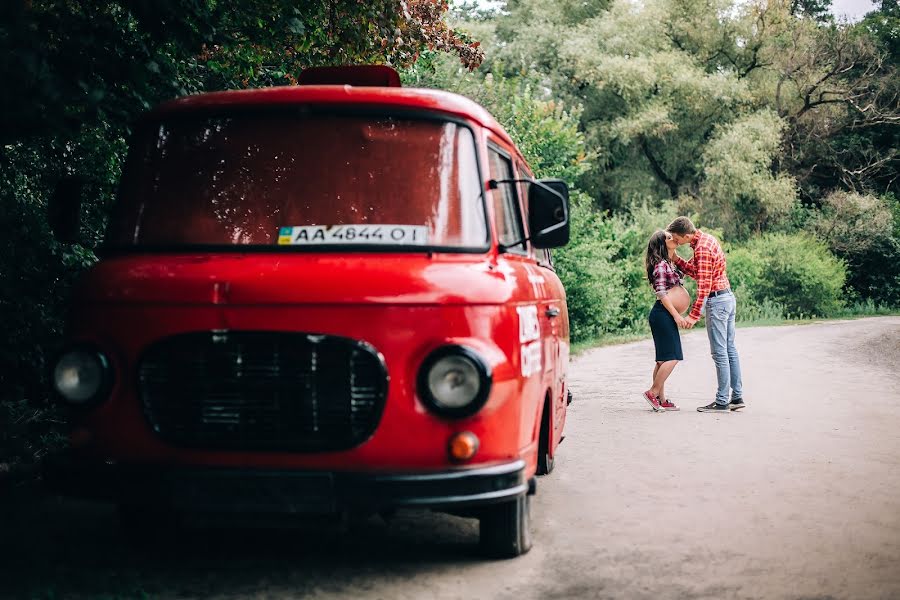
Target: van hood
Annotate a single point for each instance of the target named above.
(270, 278)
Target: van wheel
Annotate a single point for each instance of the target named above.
(545, 461)
(505, 529)
(146, 523)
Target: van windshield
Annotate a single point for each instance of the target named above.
(301, 178)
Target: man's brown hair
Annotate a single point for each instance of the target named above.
(681, 226)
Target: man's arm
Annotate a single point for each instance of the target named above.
(687, 266)
(703, 264)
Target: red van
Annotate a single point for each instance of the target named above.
(325, 299)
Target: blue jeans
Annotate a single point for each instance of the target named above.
(720, 312)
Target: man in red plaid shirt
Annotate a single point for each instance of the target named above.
(707, 266)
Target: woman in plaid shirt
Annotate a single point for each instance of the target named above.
(665, 316)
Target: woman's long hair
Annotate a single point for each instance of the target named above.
(656, 252)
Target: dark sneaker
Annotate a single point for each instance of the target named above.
(736, 404)
(666, 405)
(653, 400)
(714, 407)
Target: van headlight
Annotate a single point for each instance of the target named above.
(81, 376)
(454, 381)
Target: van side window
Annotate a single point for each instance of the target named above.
(522, 174)
(545, 259)
(506, 206)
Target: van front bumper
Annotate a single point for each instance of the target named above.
(267, 491)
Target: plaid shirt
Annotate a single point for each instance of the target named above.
(665, 277)
(707, 266)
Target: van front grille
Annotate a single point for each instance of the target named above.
(262, 391)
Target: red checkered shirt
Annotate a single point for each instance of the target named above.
(707, 266)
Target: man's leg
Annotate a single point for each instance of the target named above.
(734, 363)
(717, 314)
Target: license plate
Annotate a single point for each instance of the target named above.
(283, 492)
(316, 235)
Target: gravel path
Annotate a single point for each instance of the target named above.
(797, 497)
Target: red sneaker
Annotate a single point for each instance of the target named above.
(666, 405)
(653, 400)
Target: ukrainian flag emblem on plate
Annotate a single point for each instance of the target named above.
(285, 234)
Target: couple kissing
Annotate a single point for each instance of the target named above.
(665, 273)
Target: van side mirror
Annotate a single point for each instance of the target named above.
(548, 213)
(64, 210)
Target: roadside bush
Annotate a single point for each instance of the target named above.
(874, 275)
(794, 271)
(864, 230)
(27, 434)
(751, 309)
(595, 288)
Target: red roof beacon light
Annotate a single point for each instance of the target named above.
(358, 75)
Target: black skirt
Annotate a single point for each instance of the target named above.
(665, 334)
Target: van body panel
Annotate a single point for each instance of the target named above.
(408, 436)
(305, 278)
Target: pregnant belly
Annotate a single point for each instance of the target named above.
(680, 298)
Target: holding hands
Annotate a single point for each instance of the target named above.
(686, 323)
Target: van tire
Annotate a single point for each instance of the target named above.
(545, 462)
(146, 523)
(505, 529)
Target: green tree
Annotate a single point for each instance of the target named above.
(68, 62)
(835, 88)
(546, 131)
(739, 190)
(818, 10)
(660, 79)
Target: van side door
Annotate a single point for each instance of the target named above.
(552, 313)
(518, 261)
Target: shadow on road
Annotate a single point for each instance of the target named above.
(55, 548)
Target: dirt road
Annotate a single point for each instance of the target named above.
(797, 497)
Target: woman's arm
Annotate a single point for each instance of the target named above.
(660, 281)
(667, 303)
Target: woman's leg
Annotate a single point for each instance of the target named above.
(662, 388)
(661, 373)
